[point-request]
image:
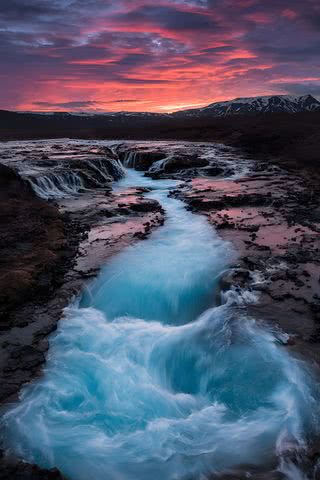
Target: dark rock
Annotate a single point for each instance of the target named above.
(214, 171)
(181, 162)
(236, 277)
(12, 469)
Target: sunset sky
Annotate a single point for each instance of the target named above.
(154, 55)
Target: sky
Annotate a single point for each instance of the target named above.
(154, 55)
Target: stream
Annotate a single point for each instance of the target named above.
(153, 373)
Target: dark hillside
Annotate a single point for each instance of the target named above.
(295, 138)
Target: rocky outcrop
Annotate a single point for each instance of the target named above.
(178, 162)
(35, 246)
(55, 171)
(272, 218)
(13, 470)
(183, 161)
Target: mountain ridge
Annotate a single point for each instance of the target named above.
(236, 106)
(260, 104)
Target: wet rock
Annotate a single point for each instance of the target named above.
(214, 171)
(268, 215)
(12, 470)
(237, 277)
(181, 162)
(252, 262)
(33, 244)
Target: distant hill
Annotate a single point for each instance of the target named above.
(238, 106)
(256, 105)
(149, 125)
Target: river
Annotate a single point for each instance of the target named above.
(153, 373)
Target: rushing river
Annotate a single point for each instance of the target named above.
(152, 376)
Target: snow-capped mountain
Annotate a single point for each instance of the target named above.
(140, 120)
(270, 104)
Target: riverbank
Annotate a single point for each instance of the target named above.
(270, 215)
(49, 250)
(37, 249)
(273, 219)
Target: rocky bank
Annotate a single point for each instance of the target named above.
(49, 249)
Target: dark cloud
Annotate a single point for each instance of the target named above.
(67, 105)
(80, 104)
(142, 81)
(135, 60)
(25, 9)
(313, 19)
(170, 18)
(124, 100)
(290, 52)
(223, 49)
(300, 88)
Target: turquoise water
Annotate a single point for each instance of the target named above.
(150, 376)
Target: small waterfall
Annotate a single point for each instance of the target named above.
(158, 166)
(95, 173)
(130, 159)
(142, 159)
(52, 186)
(115, 168)
(100, 173)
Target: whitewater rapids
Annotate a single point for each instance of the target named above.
(150, 375)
